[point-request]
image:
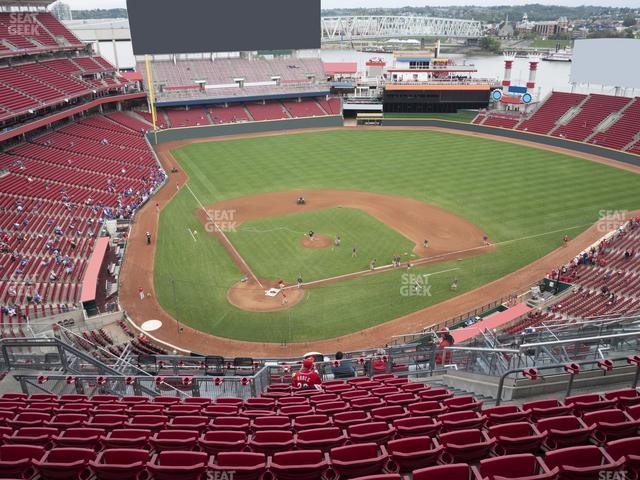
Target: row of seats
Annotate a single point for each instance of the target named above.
(31, 32)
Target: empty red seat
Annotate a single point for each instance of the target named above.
(412, 453)
(466, 402)
(505, 414)
(521, 466)
(304, 422)
(388, 414)
(611, 424)
(358, 460)
(624, 397)
(17, 460)
(378, 432)
(299, 465)
(108, 421)
(384, 391)
(364, 384)
(291, 400)
(231, 423)
(344, 419)
(462, 420)
(546, 408)
(216, 441)
(583, 462)
(634, 411)
(188, 422)
(331, 408)
(517, 437)
(202, 402)
(126, 438)
(354, 393)
(46, 407)
(436, 394)
(414, 387)
(259, 403)
(455, 471)
(245, 465)
(296, 410)
(72, 398)
(217, 410)
(119, 464)
(235, 401)
(172, 465)
(103, 399)
(565, 431)
(467, 445)
(32, 436)
(79, 437)
(29, 419)
(383, 376)
(324, 397)
(367, 403)
(166, 400)
(133, 400)
(274, 422)
(271, 441)
(64, 463)
(182, 410)
(174, 440)
(320, 438)
(343, 388)
(149, 422)
(104, 408)
(429, 408)
(417, 426)
(626, 450)
(588, 402)
(66, 420)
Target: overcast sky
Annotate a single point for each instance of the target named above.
(87, 4)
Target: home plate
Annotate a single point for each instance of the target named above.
(272, 292)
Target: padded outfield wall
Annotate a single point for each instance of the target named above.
(518, 135)
(207, 131)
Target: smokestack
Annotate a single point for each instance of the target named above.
(533, 68)
(508, 64)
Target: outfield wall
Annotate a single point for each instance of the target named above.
(517, 135)
(207, 131)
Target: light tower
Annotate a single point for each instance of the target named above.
(509, 57)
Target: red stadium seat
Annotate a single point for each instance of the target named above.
(467, 445)
(166, 400)
(354, 393)
(271, 441)
(119, 464)
(456, 471)
(275, 422)
(29, 419)
(624, 397)
(174, 440)
(145, 409)
(64, 463)
(32, 436)
(188, 422)
(245, 465)
(103, 399)
(216, 441)
(293, 411)
(304, 422)
(126, 438)
(611, 424)
(344, 419)
(588, 403)
(148, 422)
(172, 465)
(388, 414)
(201, 401)
(72, 398)
(220, 410)
(66, 420)
(320, 438)
(412, 453)
(259, 403)
(577, 463)
(108, 421)
(429, 408)
(378, 432)
(505, 414)
(367, 403)
(324, 397)
(235, 401)
(627, 450)
(546, 408)
(467, 402)
(436, 394)
(417, 426)
(517, 437)
(289, 401)
(461, 420)
(358, 460)
(231, 423)
(331, 408)
(80, 437)
(16, 461)
(299, 465)
(182, 410)
(522, 466)
(565, 431)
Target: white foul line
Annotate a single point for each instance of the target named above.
(192, 236)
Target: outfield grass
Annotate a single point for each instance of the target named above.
(464, 116)
(510, 191)
(271, 246)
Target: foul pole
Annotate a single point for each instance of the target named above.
(151, 98)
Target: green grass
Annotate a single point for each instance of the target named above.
(510, 191)
(272, 248)
(464, 116)
(550, 43)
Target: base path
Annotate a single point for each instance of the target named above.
(140, 255)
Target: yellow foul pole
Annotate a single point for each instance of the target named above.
(151, 99)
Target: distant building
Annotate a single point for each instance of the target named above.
(61, 11)
(546, 28)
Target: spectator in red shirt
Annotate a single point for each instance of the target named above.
(307, 377)
(446, 340)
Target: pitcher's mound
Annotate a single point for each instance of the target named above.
(251, 297)
(319, 241)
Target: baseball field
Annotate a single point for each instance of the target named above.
(382, 192)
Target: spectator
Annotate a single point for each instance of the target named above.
(380, 362)
(344, 369)
(307, 377)
(446, 340)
